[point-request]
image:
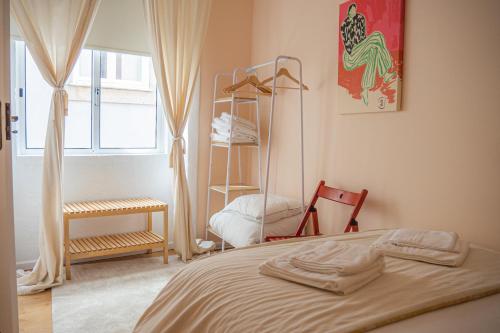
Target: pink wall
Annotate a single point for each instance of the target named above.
(435, 164)
(228, 45)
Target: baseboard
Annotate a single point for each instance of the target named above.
(25, 265)
(29, 264)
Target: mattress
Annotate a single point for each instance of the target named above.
(226, 293)
(239, 231)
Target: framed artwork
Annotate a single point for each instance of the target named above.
(370, 55)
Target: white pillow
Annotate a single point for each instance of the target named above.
(251, 206)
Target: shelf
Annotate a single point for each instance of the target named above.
(239, 100)
(96, 208)
(234, 188)
(112, 244)
(226, 145)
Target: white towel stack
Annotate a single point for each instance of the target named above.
(435, 247)
(244, 131)
(337, 267)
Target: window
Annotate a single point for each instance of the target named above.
(112, 101)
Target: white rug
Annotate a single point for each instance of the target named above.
(109, 296)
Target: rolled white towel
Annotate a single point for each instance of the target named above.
(282, 268)
(425, 239)
(335, 257)
(453, 258)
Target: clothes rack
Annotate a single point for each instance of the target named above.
(236, 100)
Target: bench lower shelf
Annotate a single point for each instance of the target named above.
(90, 247)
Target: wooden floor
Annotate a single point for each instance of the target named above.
(35, 311)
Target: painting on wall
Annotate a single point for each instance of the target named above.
(370, 55)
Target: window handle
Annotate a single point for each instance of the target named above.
(97, 99)
(14, 119)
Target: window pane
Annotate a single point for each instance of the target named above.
(78, 133)
(38, 95)
(128, 102)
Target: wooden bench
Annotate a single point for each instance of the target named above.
(90, 247)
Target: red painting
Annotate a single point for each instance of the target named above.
(370, 55)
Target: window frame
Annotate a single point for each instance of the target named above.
(18, 66)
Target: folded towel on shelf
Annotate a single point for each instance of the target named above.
(222, 126)
(236, 133)
(454, 258)
(242, 121)
(282, 268)
(336, 257)
(235, 139)
(236, 136)
(425, 239)
(243, 131)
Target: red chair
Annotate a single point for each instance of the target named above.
(333, 194)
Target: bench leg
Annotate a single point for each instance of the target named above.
(150, 228)
(165, 235)
(67, 255)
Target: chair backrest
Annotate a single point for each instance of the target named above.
(343, 197)
(337, 195)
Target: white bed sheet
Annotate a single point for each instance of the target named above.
(482, 315)
(228, 294)
(240, 232)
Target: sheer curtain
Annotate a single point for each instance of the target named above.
(177, 29)
(54, 32)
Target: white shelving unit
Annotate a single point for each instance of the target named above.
(229, 188)
(234, 101)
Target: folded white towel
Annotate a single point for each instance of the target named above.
(237, 135)
(425, 239)
(336, 257)
(281, 267)
(446, 258)
(245, 122)
(222, 138)
(223, 127)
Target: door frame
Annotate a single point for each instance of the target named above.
(8, 293)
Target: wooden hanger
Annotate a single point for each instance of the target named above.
(251, 80)
(284, 72)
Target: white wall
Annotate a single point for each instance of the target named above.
(89, 178)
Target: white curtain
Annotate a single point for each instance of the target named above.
(177, 29)
(54, 32)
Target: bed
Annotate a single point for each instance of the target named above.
(226, 293)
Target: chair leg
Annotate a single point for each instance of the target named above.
(351, 226)
(314, 212)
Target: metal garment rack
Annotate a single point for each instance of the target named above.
(235, 101)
